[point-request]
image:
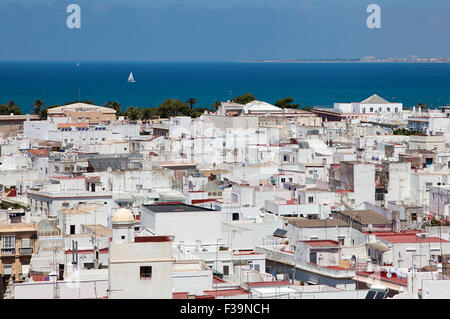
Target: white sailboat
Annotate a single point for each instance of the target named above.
(131, 78)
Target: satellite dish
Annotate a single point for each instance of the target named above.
(109, 169)
(388, 274)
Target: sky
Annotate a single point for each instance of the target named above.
(226, 30)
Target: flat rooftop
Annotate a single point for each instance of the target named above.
(316, 223)
(176, 208)
(18, 227)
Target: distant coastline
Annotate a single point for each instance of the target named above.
(412, 59)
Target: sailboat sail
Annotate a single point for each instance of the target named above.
(131, 78)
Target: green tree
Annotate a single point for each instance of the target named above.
(199, 111)
(306, 108)
(134, 113)
(38, 104)
(148, 113)
(422, 106)
(287, 103)
(216, 104)
(43, 113)
(191, 102)
(9, 108)
(244, 99)
(171, 107)
(115, 106)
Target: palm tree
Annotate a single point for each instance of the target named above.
(43, 114)
(38, 104)
(191, 102)
(216, 104)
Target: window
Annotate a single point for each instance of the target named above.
(235, 216)
(313, 257)
(388, 109)
(7, 269)
(9, 242)
(146, 272)
(226, 270)
(371, 109)
(122, 237)
(72, 229)
(310, 199)
(88, 265)
(257, 268)
(26, 243)
(396, 110)
(283, 180)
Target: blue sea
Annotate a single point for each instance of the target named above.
(313, 84)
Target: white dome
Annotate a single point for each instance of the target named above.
(123, 215)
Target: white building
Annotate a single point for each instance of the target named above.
(191, 225)
(372, 105)
(139, 267)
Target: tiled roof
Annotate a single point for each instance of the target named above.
(366, 217)
(39, 152)
(410, 238)
(375, 99)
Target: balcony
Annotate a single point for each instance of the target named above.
(8, 251)
(26, 251)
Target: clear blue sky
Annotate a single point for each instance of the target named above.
(226, 30)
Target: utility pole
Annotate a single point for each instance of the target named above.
(56, 294)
